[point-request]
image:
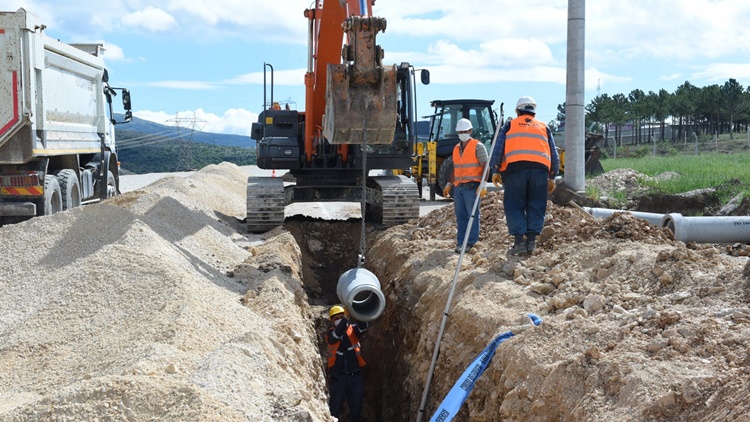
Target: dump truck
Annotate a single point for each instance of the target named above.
(57, 137)
(358, 117)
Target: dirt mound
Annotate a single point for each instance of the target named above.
(167, 311)
(636, 326)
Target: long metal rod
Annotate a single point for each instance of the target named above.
(449, 302)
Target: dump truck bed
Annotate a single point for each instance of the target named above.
(51, 99)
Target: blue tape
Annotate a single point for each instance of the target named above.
(461, 389)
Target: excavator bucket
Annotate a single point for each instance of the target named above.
(361, 95)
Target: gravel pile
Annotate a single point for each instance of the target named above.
(127, 310)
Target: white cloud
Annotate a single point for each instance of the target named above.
(671, 77)
(113, 52)
(668, 29)
(235, 121)
(721, 72)
(596, 79)
(151, 18)
(289, 77)
(450, 74)
(188, 85)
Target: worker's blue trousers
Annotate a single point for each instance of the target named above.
(347, 388)
(525, 201)
(463, 201)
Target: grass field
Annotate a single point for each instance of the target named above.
(723, 164)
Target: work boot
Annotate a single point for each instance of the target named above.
(519, 246)
(530, 243)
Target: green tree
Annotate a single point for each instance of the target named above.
(620, 115)
(683, 107)
(732, 93)
(661, 106)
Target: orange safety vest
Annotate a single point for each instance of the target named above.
(526, 140)
(466, 166)
(333, 349)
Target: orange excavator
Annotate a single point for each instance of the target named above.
(359, 116)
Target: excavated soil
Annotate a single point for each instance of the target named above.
(169, 311)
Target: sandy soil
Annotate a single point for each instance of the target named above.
(155, 305)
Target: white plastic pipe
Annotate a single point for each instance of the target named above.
(359, 290)
(708, 229)
(651, 217)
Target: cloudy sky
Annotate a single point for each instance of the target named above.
(203, 59)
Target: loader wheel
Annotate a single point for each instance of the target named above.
(444, 174)
(52, 196)
(70, 189)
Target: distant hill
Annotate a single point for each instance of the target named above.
(145, 128)
(148, 147)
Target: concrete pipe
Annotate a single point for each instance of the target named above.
(652, 218)
(708, 229)
(359, 290)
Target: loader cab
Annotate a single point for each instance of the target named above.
(449, 112)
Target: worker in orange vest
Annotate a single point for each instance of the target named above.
(469, 158)
(345, 363)
(525, 161)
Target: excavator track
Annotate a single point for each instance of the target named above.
(265, 203)
(396, 202)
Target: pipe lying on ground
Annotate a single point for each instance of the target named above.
(651, 217)
(359, 290)
(708, 229)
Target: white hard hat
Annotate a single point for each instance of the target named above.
(463, 124)
(526, 103)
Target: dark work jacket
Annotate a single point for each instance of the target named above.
(348, 361)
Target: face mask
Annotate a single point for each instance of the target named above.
(336, 323)
(464, 137)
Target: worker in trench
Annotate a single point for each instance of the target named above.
(469, 158)
(345, 363)
(525, 161)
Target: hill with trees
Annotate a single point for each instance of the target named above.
(148, 147)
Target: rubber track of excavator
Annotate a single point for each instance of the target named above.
(400, 200)
(265, 203)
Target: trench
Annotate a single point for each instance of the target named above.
(328, 249)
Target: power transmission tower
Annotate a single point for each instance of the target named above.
(185, 152)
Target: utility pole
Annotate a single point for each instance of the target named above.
(575, 114)
(185, 152)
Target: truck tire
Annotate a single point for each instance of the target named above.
(52, 196)
(70, 188)
(444, 174)
(111, 184)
